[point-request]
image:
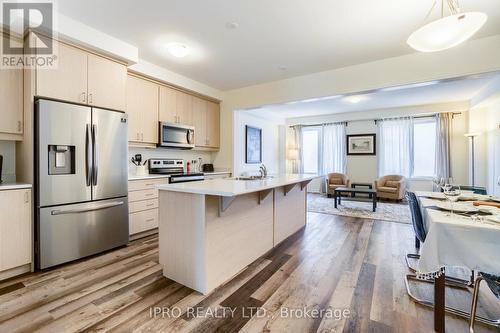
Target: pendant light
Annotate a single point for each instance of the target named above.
(448, 31)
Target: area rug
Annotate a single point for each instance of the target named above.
(393, 212)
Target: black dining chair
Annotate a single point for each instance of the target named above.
(493, 283)
(420, 235)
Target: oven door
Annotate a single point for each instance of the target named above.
(176, 135)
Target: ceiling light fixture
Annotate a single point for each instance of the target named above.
(178, 50)
(354, 99)
(448, 31)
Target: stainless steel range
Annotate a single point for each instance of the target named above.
(81, 181)
(174, 168)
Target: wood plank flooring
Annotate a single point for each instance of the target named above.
(350, 270)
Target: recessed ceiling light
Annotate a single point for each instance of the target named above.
(354, 99)
(178, 50)
(232, 25)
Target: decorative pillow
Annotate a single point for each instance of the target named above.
(392, 183)
(336, 181)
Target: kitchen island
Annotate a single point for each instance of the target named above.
(211, 230)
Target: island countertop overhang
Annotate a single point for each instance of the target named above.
(230, 187)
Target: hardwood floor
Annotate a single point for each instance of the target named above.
(349, 269)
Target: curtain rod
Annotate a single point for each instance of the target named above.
(418, 117)
(321, 124)
(373, 119)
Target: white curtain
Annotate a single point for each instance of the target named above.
(297, 165)
(443, 131)
(394, 145)
(333, 150)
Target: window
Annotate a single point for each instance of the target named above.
(424, 147)
(407, 146)
(310, 149)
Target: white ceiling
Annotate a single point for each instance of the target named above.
(302, 35)
(434, 93)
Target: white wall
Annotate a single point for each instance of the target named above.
(8, 151)
(407, 69)
(186, 155)
(273, 137)
(485, 119)
(364, 168)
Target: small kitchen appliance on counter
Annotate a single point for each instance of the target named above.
(208, 167)
(174, 168)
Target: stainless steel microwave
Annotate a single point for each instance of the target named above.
(176, 136)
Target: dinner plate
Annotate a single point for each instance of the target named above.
(493, 198)
(488, 209)
(457, 207)
(435, 195)
(493, 218)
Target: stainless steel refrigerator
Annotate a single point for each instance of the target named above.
(81, 181)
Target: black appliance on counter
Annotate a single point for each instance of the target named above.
(207, 167)
(174, 168)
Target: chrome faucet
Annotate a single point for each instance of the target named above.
(263, 171)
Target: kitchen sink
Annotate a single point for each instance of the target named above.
(251, 178)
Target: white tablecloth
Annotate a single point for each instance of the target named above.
(457, 242)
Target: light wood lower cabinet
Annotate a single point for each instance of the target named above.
(15, 231)
(143, 204)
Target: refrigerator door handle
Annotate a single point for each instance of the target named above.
(95, 148)
(89, 208)
(88, 156)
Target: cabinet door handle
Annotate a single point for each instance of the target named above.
(84, 97)
(150, 220)
(142, 136)
(26, 197)
(150, 205)
(148, 194)
(19, 126)
(90, 98)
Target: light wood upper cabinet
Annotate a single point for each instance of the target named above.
(175, 106)
(200, 121)
(142, 110)
(167, 111)
(68, 81)
(11, 101)
(213, 124)
(83, 77)
(184, 107)
(206, 119)
(107, 82)
(15, 228)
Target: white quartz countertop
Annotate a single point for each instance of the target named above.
(13, 186)
(153, 176)
(229, 187)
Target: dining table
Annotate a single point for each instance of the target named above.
(455, 240)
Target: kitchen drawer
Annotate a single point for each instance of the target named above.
(138, 206)
(142, 195)
(143, 221)
(145, 184)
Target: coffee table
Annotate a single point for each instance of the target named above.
(348, 190)
(357, 185)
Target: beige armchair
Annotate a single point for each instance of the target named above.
(391, 187)
(334, 180)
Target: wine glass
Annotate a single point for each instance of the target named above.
(438, 183)
(452, 193)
